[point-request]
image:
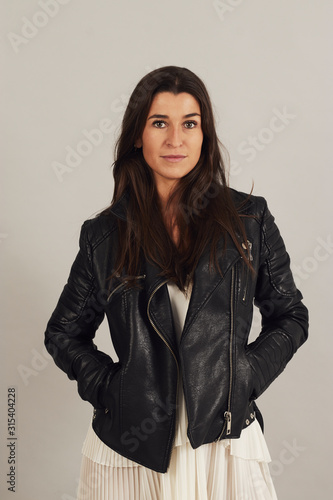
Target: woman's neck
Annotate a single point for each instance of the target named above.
(169, 217)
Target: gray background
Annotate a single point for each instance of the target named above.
(70, 64)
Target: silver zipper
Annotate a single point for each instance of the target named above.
(167, 344)
(123, 284)
(249, 244)
(227, 414)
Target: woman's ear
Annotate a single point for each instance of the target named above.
(138, 143)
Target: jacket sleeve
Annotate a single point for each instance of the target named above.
(71, 329)
(284, 317)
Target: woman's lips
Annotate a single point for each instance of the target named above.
(174, 158)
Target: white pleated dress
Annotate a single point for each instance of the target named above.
(230, 469)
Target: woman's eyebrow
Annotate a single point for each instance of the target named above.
(166, 116)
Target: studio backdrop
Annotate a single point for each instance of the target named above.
(69, 67)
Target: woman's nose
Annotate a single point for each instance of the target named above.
(174, 138)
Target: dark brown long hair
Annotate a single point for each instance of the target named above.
(201, 203)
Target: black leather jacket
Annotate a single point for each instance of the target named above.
(134, 399)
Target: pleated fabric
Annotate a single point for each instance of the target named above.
(235, 469)
(230, 469)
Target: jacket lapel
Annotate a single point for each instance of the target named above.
(206, 280)
(158, 305)
(155, 289)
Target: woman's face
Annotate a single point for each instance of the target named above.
(172, 138)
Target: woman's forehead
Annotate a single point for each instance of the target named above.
(165, 103)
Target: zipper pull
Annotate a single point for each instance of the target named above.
(249, 244)
(227, 416)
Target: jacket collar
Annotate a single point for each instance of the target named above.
(119, 209)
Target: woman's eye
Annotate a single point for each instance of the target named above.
(190, 124)
(159, 124)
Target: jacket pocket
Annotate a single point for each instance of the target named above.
(121, 287)
(109, 392)
(245, 375)
(256, 385)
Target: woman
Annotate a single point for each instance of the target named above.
(175, 263)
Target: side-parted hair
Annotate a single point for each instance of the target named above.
(202, 205)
